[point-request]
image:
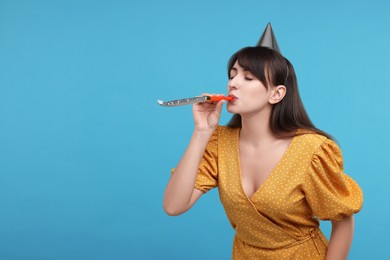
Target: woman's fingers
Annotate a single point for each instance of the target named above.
(213, 118)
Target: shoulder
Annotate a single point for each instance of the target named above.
(226, 135)
(314, 142)
(226, 130)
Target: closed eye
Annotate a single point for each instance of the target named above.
(233, 73)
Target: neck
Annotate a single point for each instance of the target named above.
(256, 129)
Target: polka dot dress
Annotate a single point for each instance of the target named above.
(281, 219)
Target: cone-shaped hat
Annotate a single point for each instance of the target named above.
(268, 39)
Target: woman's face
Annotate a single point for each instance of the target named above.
(251, 96)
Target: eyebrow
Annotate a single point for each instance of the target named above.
(245, 70)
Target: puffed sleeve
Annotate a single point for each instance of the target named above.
(331, 193)
(207, 177)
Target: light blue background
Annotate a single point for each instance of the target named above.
(85, 151)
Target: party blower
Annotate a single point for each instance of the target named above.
(192, 100)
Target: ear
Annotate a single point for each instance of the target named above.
(277, 94)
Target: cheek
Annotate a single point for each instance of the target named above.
(258, 93)
(257, 99)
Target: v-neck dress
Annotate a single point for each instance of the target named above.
(281, 219)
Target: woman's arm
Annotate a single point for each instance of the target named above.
(340, 239)
(180, 193)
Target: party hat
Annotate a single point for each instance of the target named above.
(268, 39)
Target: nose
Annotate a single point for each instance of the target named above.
(232, 84)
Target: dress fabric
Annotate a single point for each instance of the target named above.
(281, 219)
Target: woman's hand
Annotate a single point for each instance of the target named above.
(207, 114)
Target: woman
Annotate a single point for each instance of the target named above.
(277, 174)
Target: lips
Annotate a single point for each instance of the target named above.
(233, 96)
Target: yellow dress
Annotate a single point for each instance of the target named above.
(281, 219)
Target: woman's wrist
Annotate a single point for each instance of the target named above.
(202, 134)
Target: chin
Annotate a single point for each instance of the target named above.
(230, 109)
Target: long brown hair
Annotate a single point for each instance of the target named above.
(272, 69)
